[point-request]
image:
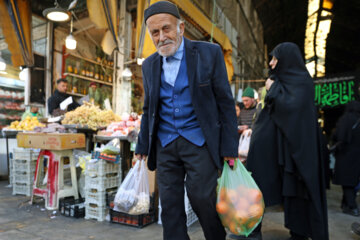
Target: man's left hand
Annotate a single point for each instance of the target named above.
(230, 160)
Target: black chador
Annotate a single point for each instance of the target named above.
(284, 155)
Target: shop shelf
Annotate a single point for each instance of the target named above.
(91, 61)
(27, 154)
(93, 211)
(88, 78)
(71, 207)
(22, 189)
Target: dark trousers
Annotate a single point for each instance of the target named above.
(174, 161)
(349, 196)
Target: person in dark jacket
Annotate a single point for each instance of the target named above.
(248, 112)
(59, 96)
(284, 155)
(347, 154)
(189, 123)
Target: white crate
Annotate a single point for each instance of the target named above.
(23, 177)
(95, 196)
(102, 182)
(95, 212)
(22, 189)
(26, 153)
(20, 165)
(101, 168)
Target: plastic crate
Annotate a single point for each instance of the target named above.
(25, 153)
(92, 211)
(22, 189)
(139, 221)
(20, 165)
(97, 196)
(23, 177)
(102, 182)
(101, 168)
(71, 207)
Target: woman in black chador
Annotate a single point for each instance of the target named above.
(347, 165)
(284, 155)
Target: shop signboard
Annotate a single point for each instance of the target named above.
(335, 91)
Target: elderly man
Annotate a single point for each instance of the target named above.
(248, 112)
(189, 123)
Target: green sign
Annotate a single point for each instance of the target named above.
(334, 93)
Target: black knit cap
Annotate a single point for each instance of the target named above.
(161, 7)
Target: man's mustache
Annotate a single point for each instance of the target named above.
(167, 41)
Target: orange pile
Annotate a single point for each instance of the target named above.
(240, 209)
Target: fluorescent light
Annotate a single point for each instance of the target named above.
(56, 14)
(127, 72)
(70, 42)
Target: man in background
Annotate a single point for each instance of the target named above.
(58, 97)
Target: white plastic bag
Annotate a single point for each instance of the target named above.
(133, 195)
(244, 144)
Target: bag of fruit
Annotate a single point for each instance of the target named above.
(240, 203)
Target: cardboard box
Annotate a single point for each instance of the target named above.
(51, 141)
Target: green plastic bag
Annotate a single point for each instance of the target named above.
(240, 203)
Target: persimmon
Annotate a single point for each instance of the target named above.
(241, 216)
(242, 204)
(254, 195)
(223, 195)
(222, 207)
(232, 195)
(251, 224)
(256, 211)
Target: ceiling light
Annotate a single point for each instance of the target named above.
(127, 72)
(56, 14)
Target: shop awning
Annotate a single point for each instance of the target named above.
(146, 48)
(16, 26)
(103, 13)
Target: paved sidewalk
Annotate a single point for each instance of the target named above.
(21, 221)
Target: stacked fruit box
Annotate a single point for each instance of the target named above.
(23, 170)
(101, 177)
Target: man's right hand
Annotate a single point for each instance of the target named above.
(141, 156)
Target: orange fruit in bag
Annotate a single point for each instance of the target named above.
(254, 195)
(222, 207)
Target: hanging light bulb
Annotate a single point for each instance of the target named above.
(127, 72)
(70, 41)
(56, 14)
